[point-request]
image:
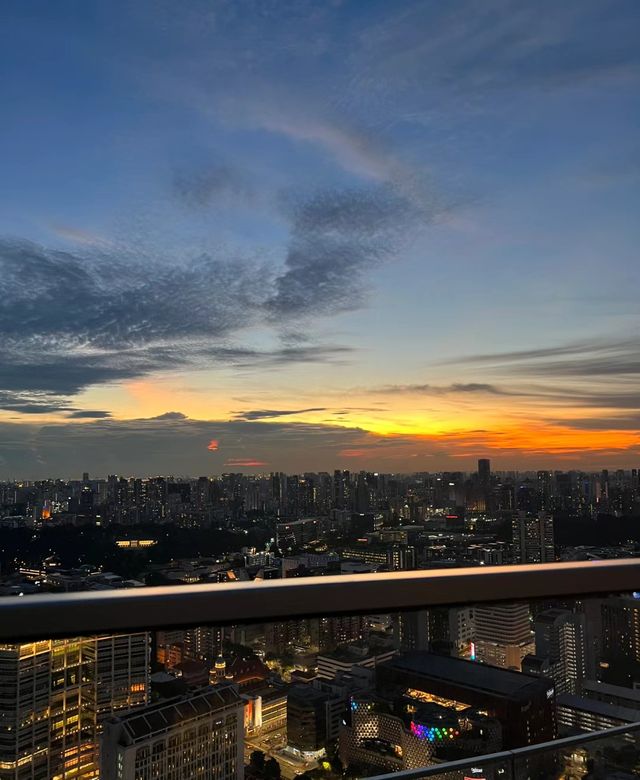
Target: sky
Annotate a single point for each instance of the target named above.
(264, 235)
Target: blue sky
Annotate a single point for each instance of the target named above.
(300, 203)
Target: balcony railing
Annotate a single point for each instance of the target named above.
(53, 615)
(515, 764)
(50, 616)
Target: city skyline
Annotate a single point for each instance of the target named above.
(297, 237)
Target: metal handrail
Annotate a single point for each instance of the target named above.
(509, 757)
(57, 615)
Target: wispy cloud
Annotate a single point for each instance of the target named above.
(245, 463)
(263, 414)
(598, 357)
(77, 235)
(89, 414)
(473, 47)
(427, 389)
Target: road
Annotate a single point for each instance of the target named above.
(272, 745)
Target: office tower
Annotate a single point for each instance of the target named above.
(620, 664)
(560, 637)
(56, 695)
(484, 471)
(503, 635)
(533, 540)
(308, 715)
(194, 737)
(523, 705)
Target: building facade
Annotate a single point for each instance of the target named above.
(55, 696)
(194, 737)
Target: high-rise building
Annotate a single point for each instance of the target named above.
(503, 635)
(198, 736)
(401, 557)
(560, 637)
(411, 630)
(533, 539)
(56, 695)
(484, 471)
(620, 662)
(203, 643)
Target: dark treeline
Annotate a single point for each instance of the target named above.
(96, 546)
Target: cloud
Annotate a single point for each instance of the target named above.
(200, 188)
(147, 447)
(598, 357)
(245, 463)
(95, 414)
(355, 150)
(76, 235)
(260, 414)
(170, 416)
(609, 423)
(69, 320)
(426, 389)
(31, 403)
(213, 446)
(337, 240)
(473, 47)
(599, 373)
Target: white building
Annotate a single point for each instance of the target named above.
(193, 737)
(503, 635)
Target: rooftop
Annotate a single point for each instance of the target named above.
(468, 674)
(179, 710)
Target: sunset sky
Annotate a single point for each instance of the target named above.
(271, 235)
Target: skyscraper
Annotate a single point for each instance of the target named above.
(484, 471)
(560, 637)
(533, 539)
(620, 662)
(56, 696)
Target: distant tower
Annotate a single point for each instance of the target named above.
(533, 540)
(484, 471)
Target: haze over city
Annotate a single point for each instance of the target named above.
(307, 236)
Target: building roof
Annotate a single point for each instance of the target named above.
(469, 674)
(139, 725)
